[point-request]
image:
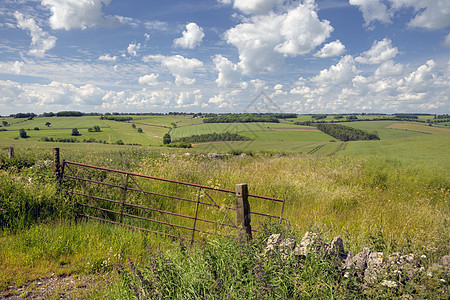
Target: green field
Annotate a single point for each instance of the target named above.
(266, 137)
(205, 128)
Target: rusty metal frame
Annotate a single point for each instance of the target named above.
(126, 188)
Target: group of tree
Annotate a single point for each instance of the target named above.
(69, 114)
(96, 128)
(23, 134)
(406, 116)
(75, 132)
(23, 115)
(241, 118)
(138, 129)
(116, 118)
(213, 137)
(345, 133)
(319, 116)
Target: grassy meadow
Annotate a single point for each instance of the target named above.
(391, 195)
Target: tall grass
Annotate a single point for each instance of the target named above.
(386, 204)
(353, 197)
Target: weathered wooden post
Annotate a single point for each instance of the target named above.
(11, 152)
(57, 163)
(243, 218)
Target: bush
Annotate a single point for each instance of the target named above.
(167, 139)
(75, 132)
(23, 134)
(96, 128)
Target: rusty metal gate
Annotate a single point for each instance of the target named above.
(177, 209)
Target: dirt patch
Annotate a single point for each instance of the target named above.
(58, 287)
(295, 129)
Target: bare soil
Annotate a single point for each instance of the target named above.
(58, 287)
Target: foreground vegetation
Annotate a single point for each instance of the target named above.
(387, 204)
(391, 195)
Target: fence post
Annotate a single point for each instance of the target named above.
(57, 163)
(243, 212)
(11, 152)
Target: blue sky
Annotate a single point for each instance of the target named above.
(322, 56)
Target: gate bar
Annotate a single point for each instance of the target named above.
(171, 180)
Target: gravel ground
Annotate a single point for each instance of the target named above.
(58, 287)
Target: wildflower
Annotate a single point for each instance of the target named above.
(389, 283)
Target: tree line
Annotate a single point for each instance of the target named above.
(345, 133)
(212, 137)
(116, 118)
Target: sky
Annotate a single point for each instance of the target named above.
(297, 56)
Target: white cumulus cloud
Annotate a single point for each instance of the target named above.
(229, 73)
(372, 10)
(107, 57)
(192, 37)
(432, 14)
(335, 48)
(69, 14)
(17, 67)
(379, 52)
(188, 98)
(388, 68)
(132, 48)
(262, 39)
(256, 6)
(150, 79)
(338, 74)
(41, 41)
(180, 67)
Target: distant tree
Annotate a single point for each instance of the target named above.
(96, 128)
(319, 116)
(36, 128)
(140, 130)
(5, 123)
(167, 139)
(23, 134)
(69, 114)
(48, 124)
(23, 115)
(133, 125)
(75, 132)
